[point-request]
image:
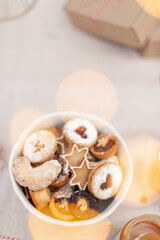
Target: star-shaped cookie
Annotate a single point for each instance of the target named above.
(75, 156)
(62, 145)
(60, 141)
(80, 175)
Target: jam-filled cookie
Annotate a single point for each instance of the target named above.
(105, 146)
(81, 132)
(40, 146)
(105, 180)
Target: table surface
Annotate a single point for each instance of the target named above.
(37, 52)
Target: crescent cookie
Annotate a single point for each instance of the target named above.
(81, 132)
(40, 146)
(35, 178)
(105, 180)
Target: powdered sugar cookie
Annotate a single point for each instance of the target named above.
(40, 146)
(105, 180)
(81, 132)
(105, 146)
(74, 156)
(35, 178)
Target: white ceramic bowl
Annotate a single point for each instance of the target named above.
(58, 119)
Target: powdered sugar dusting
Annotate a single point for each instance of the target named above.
(35, 178)
(63, 194)
(40, 145)
(91, 131)
(100, 178)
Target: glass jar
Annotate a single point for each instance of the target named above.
(145, 227)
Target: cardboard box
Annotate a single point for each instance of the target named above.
(152, 48)
(121, 21)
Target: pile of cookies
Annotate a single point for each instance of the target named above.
(69, 173)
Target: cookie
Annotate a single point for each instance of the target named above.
(35, 178)
(66, 188)
(63, 177)
(62, 144)
(40, 146)
(91, 157)
(75, 155)
(41, 198)
(113, 159)
(105, 147)
(81, 132)
(84, 200)
(80, 175)
(105, 180)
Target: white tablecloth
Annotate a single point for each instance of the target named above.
(37, 52)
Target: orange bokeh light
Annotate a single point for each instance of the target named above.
(145, 187)
(21, 120)
(41, 230)
(88, 92)
(151, 6)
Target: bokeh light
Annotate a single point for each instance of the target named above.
(151, 6)
(88, 92)
(21, 120)
(145, 187)
(41, 230)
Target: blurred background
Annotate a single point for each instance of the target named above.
(48, 65)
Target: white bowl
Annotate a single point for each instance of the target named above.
(58, 119)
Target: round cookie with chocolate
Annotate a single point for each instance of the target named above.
(84, 200)
(105, 180)
(105, 146)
